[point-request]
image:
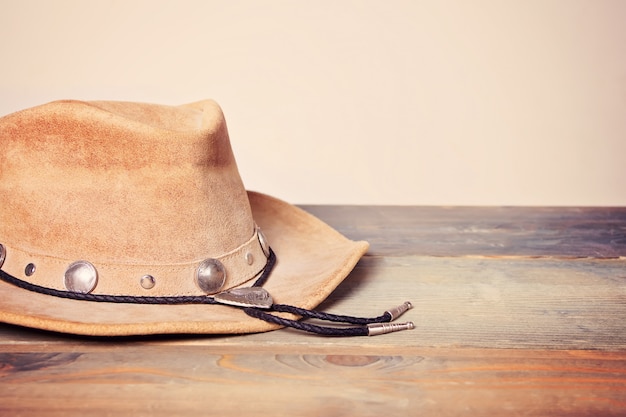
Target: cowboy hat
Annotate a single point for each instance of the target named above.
(112, 214)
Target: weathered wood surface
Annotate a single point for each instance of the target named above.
(199, 380)
(484, 231)
(518, 311)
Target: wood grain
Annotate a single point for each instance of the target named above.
(518, 311)
(485, 231)
(200, 381)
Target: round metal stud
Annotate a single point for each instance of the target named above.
(81, 276)
(210, 276)
(263, 241)
(249, 258)
(147, 282)
(3, 254)
(30, 269)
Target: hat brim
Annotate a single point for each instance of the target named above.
(312, 260)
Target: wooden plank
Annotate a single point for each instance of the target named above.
(454, 291)
(205, 381)
(460, 302)
(486, 231)
(497, 302)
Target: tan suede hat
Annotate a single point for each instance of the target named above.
(116, 218)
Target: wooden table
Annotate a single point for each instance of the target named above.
(518, 311)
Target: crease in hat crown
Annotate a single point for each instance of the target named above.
(118, 182)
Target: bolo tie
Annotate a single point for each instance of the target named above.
(256, 302)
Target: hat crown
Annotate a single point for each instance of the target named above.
(121, 182)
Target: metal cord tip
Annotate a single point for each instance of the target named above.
(375, 329)
(400, 310)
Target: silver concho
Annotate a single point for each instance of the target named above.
(3, 254)
(30, 269)
(147, 282)
(81, 277)
(210, 275)
(263, 241)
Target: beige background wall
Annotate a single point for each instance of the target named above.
(364, 102)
